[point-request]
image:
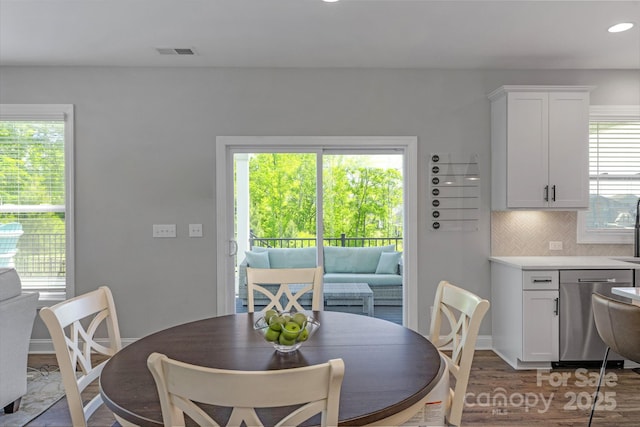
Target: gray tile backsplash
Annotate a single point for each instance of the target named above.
(528, 233)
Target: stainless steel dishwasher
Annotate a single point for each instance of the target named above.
(580, 344)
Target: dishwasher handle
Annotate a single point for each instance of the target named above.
(603, 280)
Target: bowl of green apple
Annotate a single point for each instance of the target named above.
(286, 331)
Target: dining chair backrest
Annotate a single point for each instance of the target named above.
(180, 385)
(310, 280)
(464, 312)
(72, 325)
(618, 324)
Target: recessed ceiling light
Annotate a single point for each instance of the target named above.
(329, 1)
(618, 28)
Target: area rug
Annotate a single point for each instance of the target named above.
(43, 390)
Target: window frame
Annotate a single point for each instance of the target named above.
(65, 113)
(623, 236)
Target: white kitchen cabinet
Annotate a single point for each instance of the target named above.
(525, 321)
(540, 326)
(540, 147)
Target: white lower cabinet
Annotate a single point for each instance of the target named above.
(525, 321)
(540, 326)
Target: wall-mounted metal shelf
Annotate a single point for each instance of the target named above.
(454, 192)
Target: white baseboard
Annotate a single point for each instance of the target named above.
(483, 342)
(45, 346)
(40, 346)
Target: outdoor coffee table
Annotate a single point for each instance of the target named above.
(347, 291)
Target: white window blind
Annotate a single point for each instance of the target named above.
(35, 228)
(614, 177)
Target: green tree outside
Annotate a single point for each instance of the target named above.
(32, 178)
(360, 198)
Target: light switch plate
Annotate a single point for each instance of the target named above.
(164, 230)
(195, 230)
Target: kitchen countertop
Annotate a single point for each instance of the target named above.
(567, 262)
(629, 293)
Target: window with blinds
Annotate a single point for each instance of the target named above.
(34, 226)
(614, 175)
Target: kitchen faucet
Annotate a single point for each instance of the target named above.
(636, 230)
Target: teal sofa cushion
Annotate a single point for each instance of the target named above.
(257, 259)
(388, 263)
(339, 259)
(292, 257)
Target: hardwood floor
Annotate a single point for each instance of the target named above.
(497, 395)
(58, 414)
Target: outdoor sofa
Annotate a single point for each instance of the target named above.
(378, 266)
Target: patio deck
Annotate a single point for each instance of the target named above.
(385, 312)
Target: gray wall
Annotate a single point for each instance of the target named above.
(145, 154)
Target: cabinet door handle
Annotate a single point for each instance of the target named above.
(542, 280)
(557, 309)
(546, 193)
(553, 191)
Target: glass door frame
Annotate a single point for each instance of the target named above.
(226, 247)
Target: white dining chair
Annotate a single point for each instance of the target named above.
(180, 385)
(73, 324)
(464, 312)
(310, 278)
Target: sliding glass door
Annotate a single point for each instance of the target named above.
(276, 208)
(315, 193)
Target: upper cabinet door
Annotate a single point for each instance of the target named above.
(569, 149)
(527, 149)
(540, 147)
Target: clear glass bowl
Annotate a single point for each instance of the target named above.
(286, 331)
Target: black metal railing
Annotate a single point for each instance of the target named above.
(306, 242)
(41, 255)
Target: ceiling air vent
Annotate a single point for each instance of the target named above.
(175, 51)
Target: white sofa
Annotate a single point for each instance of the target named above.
(17, 313)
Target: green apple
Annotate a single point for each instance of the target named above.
(276, 323)
(300, 319)
(290, 330)
(304, 335)
(271, 334)
(284, 341)
(269, 314)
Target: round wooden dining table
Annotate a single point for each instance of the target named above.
(388, 368)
